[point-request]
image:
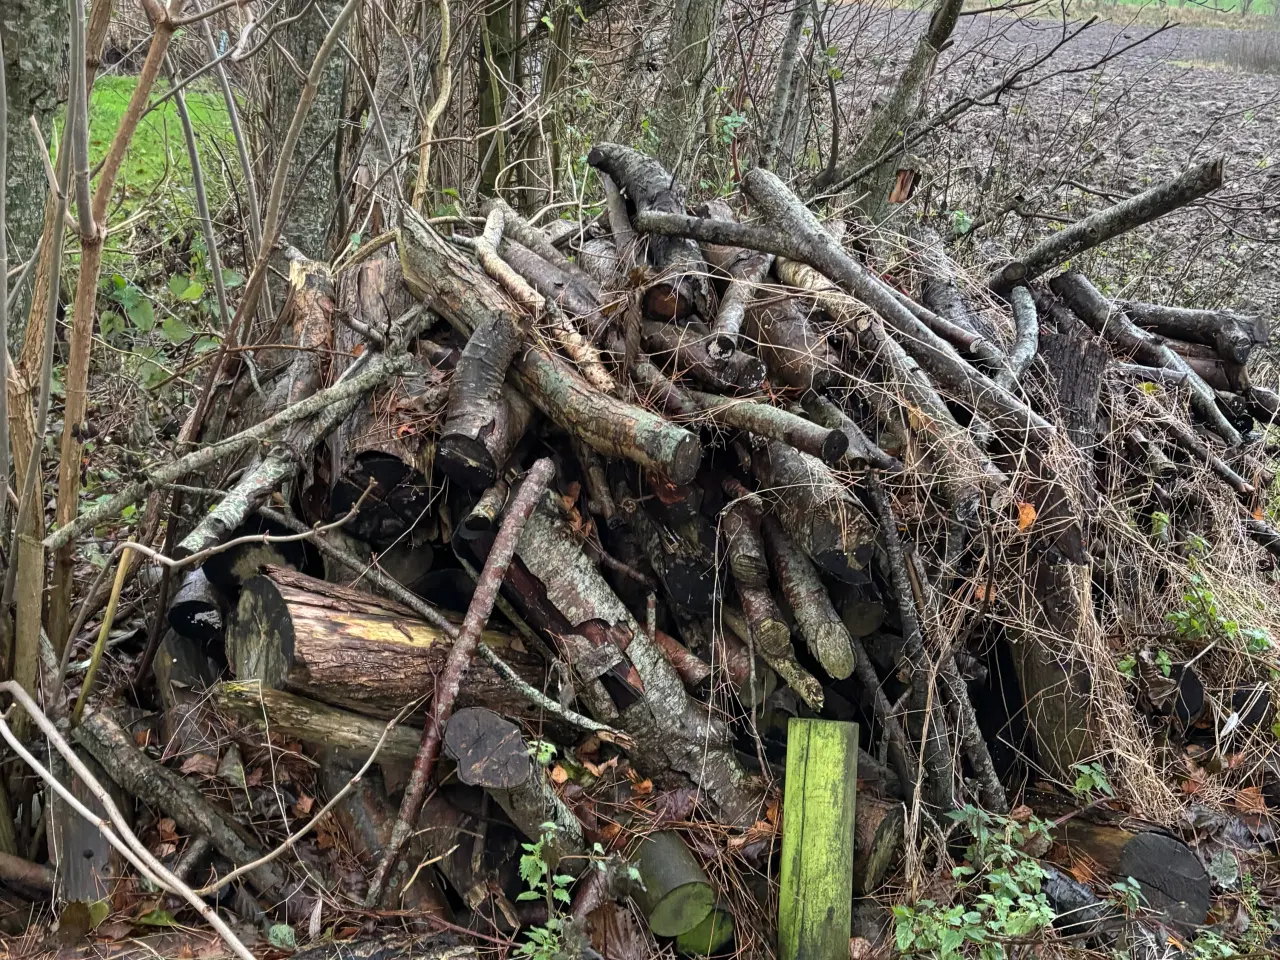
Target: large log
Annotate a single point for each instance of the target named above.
(1170, 874)
(796, 353)
(352, 650)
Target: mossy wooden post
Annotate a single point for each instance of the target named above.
(815, 904)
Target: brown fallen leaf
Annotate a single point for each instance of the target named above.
(303, 807)
(1250, 800)
(559, 774)
(168, 829)
(1026, 515)
(201, 763)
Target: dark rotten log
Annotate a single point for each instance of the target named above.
(1170, 874)
(682, 287)
(490, 753)
(197, 610)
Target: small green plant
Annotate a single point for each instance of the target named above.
(998, 894)
(538, 873)
(1128, 665)
(1091, 779)
(1201, 619)
(1164, 662)
(542, 752)
(1128, 892)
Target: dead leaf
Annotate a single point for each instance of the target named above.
(559, 774)
(1021, 814)
(1249, 800)
(255, 778)
(303, 807)
(168, 829)
(1026, 515)
(200, 763)
(860, 948)
(643, 788)
(142, 737)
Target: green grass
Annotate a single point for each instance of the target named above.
(155, 178)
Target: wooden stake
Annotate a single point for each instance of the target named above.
(815, 902)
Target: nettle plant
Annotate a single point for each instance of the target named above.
(538, 870)
(998, 894)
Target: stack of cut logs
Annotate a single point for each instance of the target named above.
(772, 467)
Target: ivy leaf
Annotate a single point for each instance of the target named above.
(193, 293)
(140, 313)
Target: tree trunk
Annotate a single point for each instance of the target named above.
(313, 172)
(35, 42)
(680, 108)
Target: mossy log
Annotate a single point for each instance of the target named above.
(774, 423)
(711, 936)
(819, 624)
(315, 723)
(816, 874)
(676, 896)
(356, 651)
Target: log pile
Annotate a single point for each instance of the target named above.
(784, 484)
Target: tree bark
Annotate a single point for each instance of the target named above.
(680, 108)
(35, 43)
(352, 650)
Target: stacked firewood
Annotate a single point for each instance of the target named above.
(763, 471)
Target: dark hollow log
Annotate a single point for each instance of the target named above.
(198, 609)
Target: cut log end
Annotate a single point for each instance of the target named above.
(466, 460)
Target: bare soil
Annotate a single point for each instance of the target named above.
(1092, 133)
